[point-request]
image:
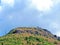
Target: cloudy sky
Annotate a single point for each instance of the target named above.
(42, 13)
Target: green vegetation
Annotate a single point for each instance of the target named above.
(14, 39)
(40, 41)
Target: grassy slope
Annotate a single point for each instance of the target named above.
(27, 39)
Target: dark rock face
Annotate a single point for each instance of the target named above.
(47, 31)
(18, 31)
(29, 31)
(36, 32)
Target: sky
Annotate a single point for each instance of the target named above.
(30, 13)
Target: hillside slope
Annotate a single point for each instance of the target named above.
(29, 36)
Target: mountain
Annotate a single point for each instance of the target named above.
(29, 36)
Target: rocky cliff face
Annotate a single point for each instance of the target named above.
(33, 30)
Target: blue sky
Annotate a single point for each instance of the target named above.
(42, 13)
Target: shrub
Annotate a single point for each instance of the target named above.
(40, 39)
(38, 44)
(55, 42)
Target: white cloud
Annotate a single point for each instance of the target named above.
(56, 1)
(43, 5)
(58, 33)
(1, 9)
(7, 3)
(55, 27)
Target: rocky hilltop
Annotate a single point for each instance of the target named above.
(33, 30)
(29, 36)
